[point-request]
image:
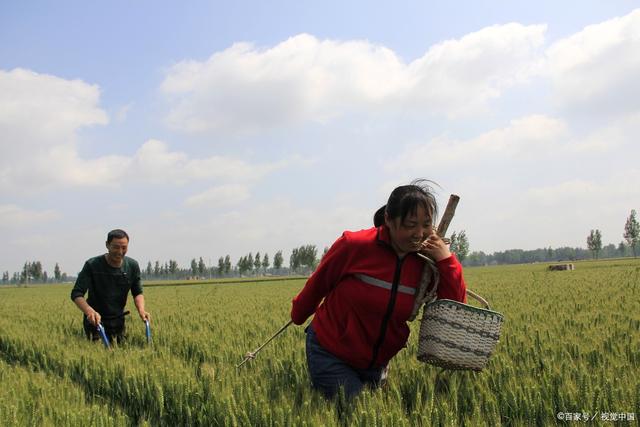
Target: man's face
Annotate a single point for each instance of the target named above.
(117, 249)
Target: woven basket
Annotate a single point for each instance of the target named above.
(458, 336)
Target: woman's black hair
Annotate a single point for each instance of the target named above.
(404, 200)
(117, 234)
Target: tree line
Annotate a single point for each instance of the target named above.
(304, 259)
(595, 249)
(631, 238)
(33, 272)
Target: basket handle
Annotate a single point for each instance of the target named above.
(442, 230)
(479, 299)
(469, 292)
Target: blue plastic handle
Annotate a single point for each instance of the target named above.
(148, 328)
(103, 335)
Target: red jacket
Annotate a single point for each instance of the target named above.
(368, 297)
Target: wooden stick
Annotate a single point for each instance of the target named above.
(448, 215)
(441, 231)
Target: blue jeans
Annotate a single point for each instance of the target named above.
(329, 373)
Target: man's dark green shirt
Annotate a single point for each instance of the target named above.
(108, 286)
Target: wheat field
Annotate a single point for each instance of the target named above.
(569, 351)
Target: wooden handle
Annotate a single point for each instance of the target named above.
(448, 215)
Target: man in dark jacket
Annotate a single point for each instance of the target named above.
(108, 278)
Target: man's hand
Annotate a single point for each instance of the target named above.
(435, 247)
(138, 300)
(144, 315)
(94, 318)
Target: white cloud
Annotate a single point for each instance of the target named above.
(12, 216)
(525, 138)
(302, 78)
(498, 215)
(154, 162)
(617, 136)
(219, 166)
(586, 194)
(534, 181)
(224, 195)
(40, 108)
(122, 112)
(460, 76)
(596, 70)
(305, 79)
(540, 178)
(278, 224)
(565, 193)
(39, 117)
(565, 211)
(60, 166)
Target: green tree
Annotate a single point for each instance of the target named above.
(622, 248)
(57, 274)
(165, 270)
(310, 256)
(173, 267)
(227, 264)
(460, 245)
(257, 262)
(240, 265)
(156, 269)
(35, 270)
(265, 262)
(220, 266)
(594, 242)
(304, 256)
(24, 276)
(202, 268)
(248, 263)
(278, 260)
(294, 260)
(477, 258)
(194, 267)
(245, 264)
(632, 232)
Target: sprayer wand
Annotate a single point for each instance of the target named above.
(252, 354)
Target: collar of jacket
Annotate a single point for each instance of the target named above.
(383, 236)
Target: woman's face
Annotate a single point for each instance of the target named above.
(407, 235)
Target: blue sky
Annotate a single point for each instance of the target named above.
(207, 128)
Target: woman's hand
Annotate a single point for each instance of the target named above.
(435, 247)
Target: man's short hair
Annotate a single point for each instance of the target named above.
(117, 234)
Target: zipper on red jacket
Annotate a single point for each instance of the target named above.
(387, 316)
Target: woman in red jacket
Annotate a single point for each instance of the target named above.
(368, 280)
